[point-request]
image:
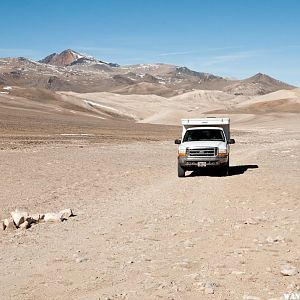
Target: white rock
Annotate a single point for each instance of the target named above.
(81, 259)
(237, 226)
(207, 287)
(209, 291)
(66, 213)
(19, 217)
(52, 217)
(8, 224)
(25, 225)
(211, 285)
(34, 218)
(250, 221)
(288, 270)
(271, 240)
(274, 239)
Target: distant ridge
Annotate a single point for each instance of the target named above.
(70, 70)
(259, 84)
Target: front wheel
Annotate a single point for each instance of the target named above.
(181, 171)
(225, 169)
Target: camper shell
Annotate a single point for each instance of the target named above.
(204, 143)
(207, 122)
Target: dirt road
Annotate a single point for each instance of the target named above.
(142, 233)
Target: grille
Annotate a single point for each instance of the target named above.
(203, 152)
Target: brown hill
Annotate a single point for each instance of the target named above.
(64, 58)
(259, 84)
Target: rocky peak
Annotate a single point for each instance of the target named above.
(64, 58)
(70, 57)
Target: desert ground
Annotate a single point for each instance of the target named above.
(139, 231)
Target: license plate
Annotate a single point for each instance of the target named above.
(201, 164)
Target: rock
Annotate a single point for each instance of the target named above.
(81, 259)
(66, 214)
(250, 221)
(35, 218)
(288, 270)
(42, 218)
(209, 291)
(25, 225)
(294, 286)
(271, 240)
(52, 217)
(212, 285)
(201, 285)
(207, 287)
(19, 217)
(8, 224)
(30, 221)
(237, 226)
(276, 239)
(188, 244)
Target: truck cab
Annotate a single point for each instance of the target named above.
(205, 143)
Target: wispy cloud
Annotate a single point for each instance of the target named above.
(176, 53)
(221, 59)
(12, 52)
(224, 48)
(15, 50)
(198, 51)
(96, 49)
(291, 46)
(242, 55)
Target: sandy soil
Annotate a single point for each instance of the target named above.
(139, 231)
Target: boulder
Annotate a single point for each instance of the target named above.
(35, 218)
(209, 291)
(81, 259)
(288, 270)
(24, 225)
(8, 224)
(19, 217)
(52, 217)
(66, 213)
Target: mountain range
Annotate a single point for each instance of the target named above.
(73, 71)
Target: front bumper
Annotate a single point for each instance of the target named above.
(192, 162)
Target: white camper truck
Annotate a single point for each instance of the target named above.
(204, 143)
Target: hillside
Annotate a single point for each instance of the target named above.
(73, 71)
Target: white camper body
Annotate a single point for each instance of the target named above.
(204, 143)
(207, 122)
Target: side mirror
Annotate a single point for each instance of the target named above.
(178, 141)
(231, 141)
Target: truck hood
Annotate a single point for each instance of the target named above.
(202, 144)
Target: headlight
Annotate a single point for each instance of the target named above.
(222, 152)
(182, 152)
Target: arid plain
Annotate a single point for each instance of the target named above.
(139, 231)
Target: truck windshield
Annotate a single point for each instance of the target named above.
(204, 135)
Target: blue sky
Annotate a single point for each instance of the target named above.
(233, 38)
